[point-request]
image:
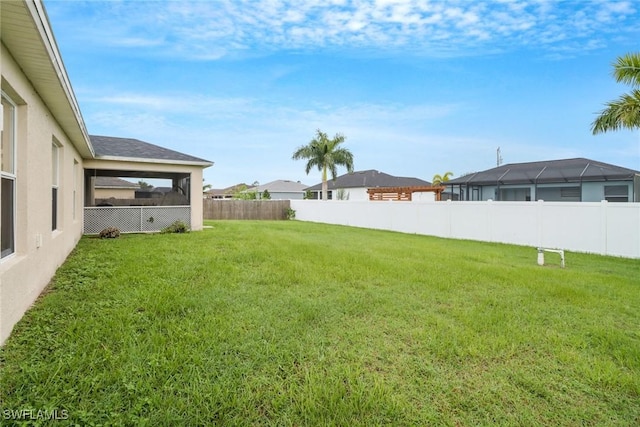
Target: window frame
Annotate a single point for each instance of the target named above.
(74, 202)
(10, 176)
(56, 149)
(612, 195)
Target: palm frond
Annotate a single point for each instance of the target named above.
(325, 154)
(626, 69)
(623, 113)
(343, 157)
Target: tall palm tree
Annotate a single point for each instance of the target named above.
(440, 179)
(325, 154)
(624, 112)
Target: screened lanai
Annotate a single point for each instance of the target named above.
(148, 210)
(567, 180)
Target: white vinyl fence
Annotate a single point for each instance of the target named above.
(602, 228)
(134, 219)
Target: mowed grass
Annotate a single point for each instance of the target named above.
(291, 323)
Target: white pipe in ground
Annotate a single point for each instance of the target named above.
(541, 252)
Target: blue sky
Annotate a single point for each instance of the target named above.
(417, 87)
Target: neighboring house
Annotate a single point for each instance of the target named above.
(281, 190)
(226, 193)
(50, 164)
(567, 180)
(107, 187)
(354, 186)
(152, 192)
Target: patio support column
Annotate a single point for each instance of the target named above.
(89, 190)
(195, 201)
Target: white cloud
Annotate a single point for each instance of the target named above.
(210, 30)
(216, 129)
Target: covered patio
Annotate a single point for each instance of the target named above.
(150, 211)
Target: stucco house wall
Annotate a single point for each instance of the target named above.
(280, 190)
(355, 194)
(587, 192)
(44, 189)
(279, 195)
(282, 195)
(351, 194)
(595, 191)
(39, 250)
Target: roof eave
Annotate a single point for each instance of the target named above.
(51, 80)
(202, 164)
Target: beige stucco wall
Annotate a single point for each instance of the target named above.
(39, 251)
(195, 173)
(116, 193)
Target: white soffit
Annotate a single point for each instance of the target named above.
(28, 36)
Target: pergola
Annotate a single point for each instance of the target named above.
(402, 193)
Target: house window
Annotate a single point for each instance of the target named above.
(8, 176)
(559, 194)
(570, 193)
(55, 160)
(74, 202)
(616, 193)
(515, 194)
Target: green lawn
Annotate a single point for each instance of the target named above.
(301, 324)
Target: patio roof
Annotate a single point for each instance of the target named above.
(109, 147)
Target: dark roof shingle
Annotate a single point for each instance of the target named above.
(370, 179)
(564, 170)
(134, 148)
(113, 182)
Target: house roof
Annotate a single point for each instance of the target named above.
(229, 190)
(370, 179)
(130, 148)
(281, 186)
(113, 182)
(551, 171)
(162, 189)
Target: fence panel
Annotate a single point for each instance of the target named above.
(134, 219)
(604, 228)
(246, 209)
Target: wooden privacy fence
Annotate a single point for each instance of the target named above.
(246, 209)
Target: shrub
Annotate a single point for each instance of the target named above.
(291, 213)
(176, 227)
(110, 233)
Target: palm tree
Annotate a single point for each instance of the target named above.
(624, 112)
(144, 185)
(440, 179)
(325, 154)
(206, 187)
